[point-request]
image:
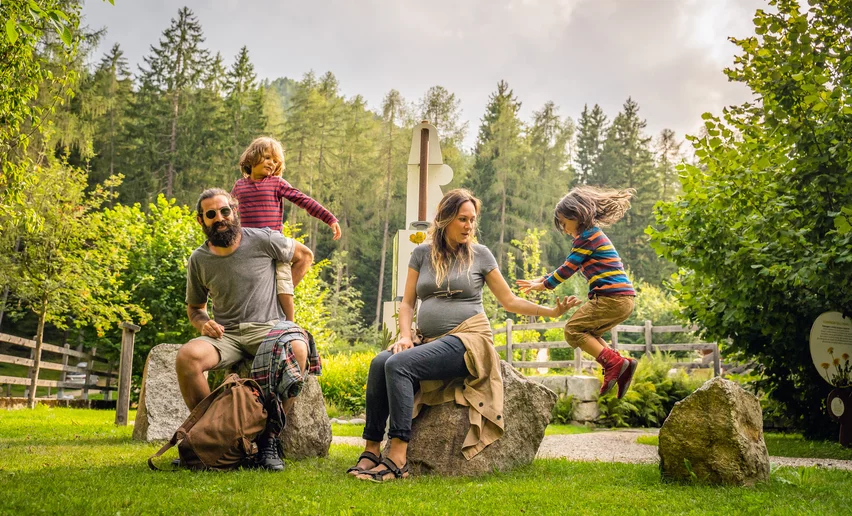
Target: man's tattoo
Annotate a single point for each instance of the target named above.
(199, 316)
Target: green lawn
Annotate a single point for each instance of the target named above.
(786, 445)
(71, 461)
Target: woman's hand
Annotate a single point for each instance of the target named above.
(528, 285)
(563, 305)
(401, 345)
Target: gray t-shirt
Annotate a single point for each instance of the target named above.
(458, 299)
(242, 284)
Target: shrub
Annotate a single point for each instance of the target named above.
(652, 394)
(344, 380)
(563, 410)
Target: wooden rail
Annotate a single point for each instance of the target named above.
(94, 366)
(648, 330)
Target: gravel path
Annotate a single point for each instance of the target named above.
(621, 446)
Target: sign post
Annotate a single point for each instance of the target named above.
(831, 351)
(426, 174)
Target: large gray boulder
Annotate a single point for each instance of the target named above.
(308, 430)
(715, 435)
(161, 407)
(439, 431)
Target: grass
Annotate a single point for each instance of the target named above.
(566, 430)
(347, 430)
(786, 445)
(72, 461)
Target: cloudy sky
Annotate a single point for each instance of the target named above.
(667, 54)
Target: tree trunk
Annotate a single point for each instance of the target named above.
(378, 321)
(170, 173)
(502, 229)
(37, 361)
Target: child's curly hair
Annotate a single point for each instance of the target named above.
(254, 154)
(591, 206)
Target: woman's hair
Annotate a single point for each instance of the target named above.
(254, 154)
(442, 254)
(591, 206)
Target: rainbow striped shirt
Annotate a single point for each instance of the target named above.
(594, 255)
(260, 202)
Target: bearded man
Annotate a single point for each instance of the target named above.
(235, 269)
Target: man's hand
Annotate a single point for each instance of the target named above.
(335, 228)
(213, 329)
(401, 345)
(528, 285)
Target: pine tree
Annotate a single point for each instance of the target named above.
(442, 109)
(244, 103)
(496, 171)
(113, 88)
(394, 163)
(628, 162)
(549, 162)
(668, 156)
(591, 132)
(172, 72)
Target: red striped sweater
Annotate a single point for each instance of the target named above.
(260, 202)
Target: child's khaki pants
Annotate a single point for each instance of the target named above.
(599, 314)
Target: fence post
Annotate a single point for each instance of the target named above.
(90, 364)
(30, 374)
(107, 393)
(509, 352)
(125, 369)
(649, 349)
(717, 361)
(63, 375)
(614, 339)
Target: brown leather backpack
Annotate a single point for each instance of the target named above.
(220, 431)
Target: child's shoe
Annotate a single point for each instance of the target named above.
(617, 371)
(626, 377)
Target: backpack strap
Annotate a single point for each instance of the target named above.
(193, 418)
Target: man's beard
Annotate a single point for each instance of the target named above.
(223, 238)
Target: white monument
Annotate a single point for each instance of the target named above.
(426, 174)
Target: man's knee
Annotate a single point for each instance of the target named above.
(302, 254)
(196, 356)
(300, 351)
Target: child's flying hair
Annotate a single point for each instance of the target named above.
(592, 206)
(254, 154)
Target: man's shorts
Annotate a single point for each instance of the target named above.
(596, 316)
(238, 344)
(283, 278)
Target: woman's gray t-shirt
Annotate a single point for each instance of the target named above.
(459, 298)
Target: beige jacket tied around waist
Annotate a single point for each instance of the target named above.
(482, 391)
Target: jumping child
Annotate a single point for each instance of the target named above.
(261, 192)
(581, 214)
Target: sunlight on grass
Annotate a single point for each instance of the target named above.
(566, 430)
(73, 461)
(347, 430)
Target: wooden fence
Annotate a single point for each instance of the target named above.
(116, 376)
(648, 330)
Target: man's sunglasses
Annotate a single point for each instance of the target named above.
(225, 211)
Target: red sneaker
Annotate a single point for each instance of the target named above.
(626, 377)
(613, 365)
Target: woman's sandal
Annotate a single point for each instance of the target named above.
(392, 468)
(366, 455)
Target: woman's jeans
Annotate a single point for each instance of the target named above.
(394, 378)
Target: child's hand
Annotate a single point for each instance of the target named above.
(528, 285)
(335, 228)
